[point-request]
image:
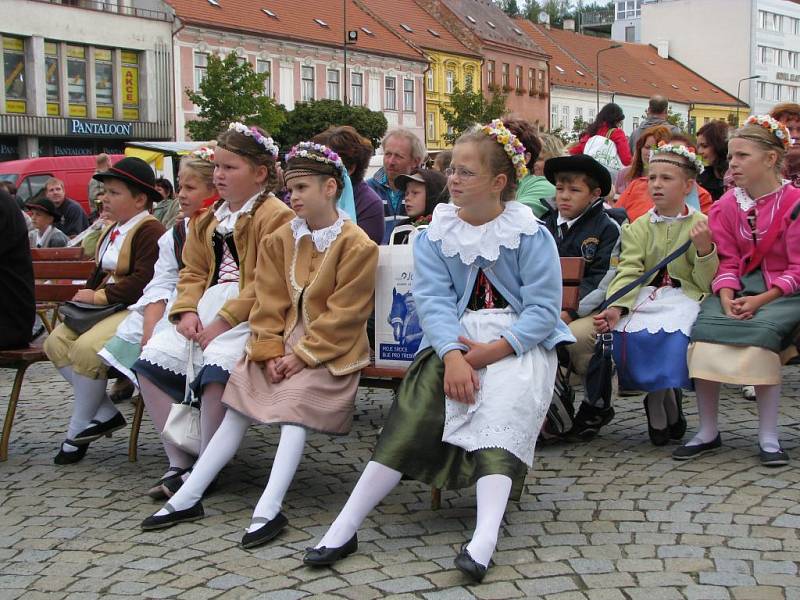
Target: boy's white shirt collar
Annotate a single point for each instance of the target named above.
(40, 236)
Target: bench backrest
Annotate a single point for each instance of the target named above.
(571, 274)
(58, 280)
(57, 254)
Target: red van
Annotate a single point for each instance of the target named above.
(30, 174)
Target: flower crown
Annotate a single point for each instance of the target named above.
(204, 153)
(316, 152)
(267, 142)
(686, 152)
(497, 131)
(774, 126)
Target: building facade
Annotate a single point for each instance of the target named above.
(757, 41)
(83, 78)
(303, 54)
(627, 25)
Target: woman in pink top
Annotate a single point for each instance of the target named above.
(750, 319)
(609, 117)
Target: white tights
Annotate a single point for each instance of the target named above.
(91, 403)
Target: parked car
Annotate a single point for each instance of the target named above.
(30, 174)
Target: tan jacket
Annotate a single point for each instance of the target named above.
(337, 287)
(199, 264)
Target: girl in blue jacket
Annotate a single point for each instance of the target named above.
(488, 293)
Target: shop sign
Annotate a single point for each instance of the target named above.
(787, 76)
(87, 127)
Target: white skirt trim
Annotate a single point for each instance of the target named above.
(665, 309)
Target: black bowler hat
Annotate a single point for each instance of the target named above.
(135, 172)
(579, 163)
(45, 205)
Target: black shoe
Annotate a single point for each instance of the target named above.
(157, 491)
(266, 532)
(323, 557)
(687, 452)
(96, 429)
(659, 437)
(678, 429)
(773, 459)
(469, 566)
(121, 390)
(588, 422)
(173, 517)
(68, 458)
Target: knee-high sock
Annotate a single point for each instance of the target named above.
(158, 405)
(707, 411)
(374, 485)
(220, 450)
(212, 411)
(768, 397)
(492, 493)
(106, 410)
(655, 407)
(284, 466)
(89, 395)
(66, 373)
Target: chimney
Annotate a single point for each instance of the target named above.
(663, 48)
(569, 24)
(544, 19)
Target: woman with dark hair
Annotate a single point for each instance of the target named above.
(355, 151)
(532, 189)
(712, 145)
(609, 124)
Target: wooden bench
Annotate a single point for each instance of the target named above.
(50, 256)
(390, 378)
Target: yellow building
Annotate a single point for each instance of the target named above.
(700, 114)
(451, 62)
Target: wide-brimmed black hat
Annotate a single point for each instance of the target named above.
(136, 172)
(579, 163)
(45, 205)
(435, 186)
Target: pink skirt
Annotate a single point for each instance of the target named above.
(313, 398)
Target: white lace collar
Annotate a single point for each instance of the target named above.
(472, 241)
(226, 218)
(657, 218)
(746, 203)
(322, 238)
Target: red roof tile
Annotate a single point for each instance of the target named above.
(414, 24)
(296, 21)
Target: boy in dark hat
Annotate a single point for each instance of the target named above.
(423, 190)
(582, 228)
(45, 216)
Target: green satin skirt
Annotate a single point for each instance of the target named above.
(411, 441)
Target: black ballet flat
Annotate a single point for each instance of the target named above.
(270, 529)
(659, 437)
(469, 566)
(157, 491)
(96, 429)
(689, 452)
(678, 429)
(68, 458)
(323, 557)
(173, 517)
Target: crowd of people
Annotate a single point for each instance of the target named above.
(251, 293)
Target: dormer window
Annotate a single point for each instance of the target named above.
(406, 27)
(269, 13)
(321, 23)
(471, 20)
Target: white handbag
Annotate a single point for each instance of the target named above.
(182, 428)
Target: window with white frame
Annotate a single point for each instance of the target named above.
(390, 93)
(200, 68)
(770, 21)
(635, 122)
(408, 95)
(531, 80)
(553, 116)
(264, 65)
(592, 115)
(518, 78)
(429, 80)
(565, 124)
(506, 76)
(431, 126)
(762, 90)
(334, 92)
(628, 9)
(357, 89)
(306, 83)
(469, 80)
(449, 81)
(490, 73)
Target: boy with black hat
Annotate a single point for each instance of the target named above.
(423, 189)
(45, 216)
(582, 228)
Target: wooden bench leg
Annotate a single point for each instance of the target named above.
(136, 424)
(12, 409)
(436, 498)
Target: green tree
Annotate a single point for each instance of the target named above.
(468, 108)
(310, 118)
(231, 91)
(676, 119)
(510, 7)
(532, 10)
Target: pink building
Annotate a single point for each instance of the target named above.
(301, 47)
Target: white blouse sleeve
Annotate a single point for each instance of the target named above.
(165, 276)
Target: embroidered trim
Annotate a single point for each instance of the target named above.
(322, 238)
(470, 242)
(743, 199)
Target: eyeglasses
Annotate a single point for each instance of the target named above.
(459, 172)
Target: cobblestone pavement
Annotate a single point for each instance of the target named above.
(612, 519)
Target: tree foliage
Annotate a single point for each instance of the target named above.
(468, 108)
(510, 7)
(231, 91)
(310, 118)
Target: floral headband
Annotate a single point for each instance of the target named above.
(316, 152)
(497, 131)
(687, 152)
(774, 126)
(267, 142)
(204, 153)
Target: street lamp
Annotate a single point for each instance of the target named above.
(738, 94)
(597, 70)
